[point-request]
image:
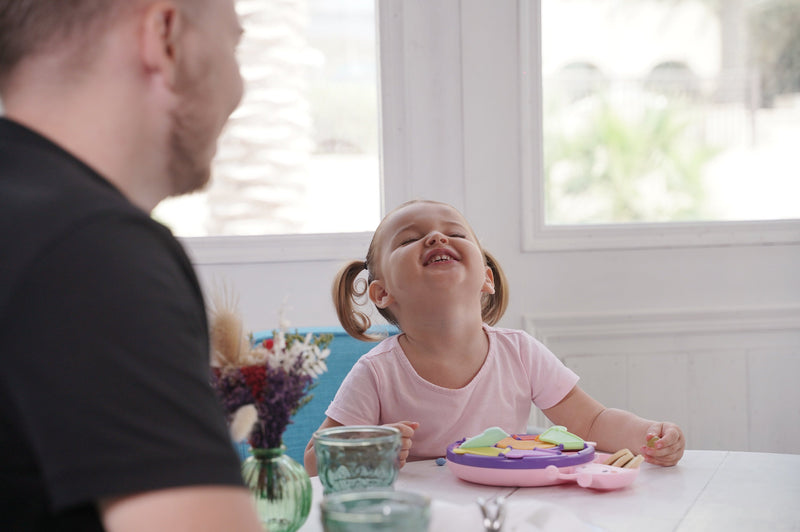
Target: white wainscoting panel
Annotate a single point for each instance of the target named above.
(729, 377)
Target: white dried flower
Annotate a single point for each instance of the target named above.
(242, 423)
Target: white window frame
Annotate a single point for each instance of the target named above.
(538, 236)
(283, 248)
(417, 41)
(260, 249)
(422, 150)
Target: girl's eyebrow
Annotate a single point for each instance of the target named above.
(399, 233)
(406, 227)
(413, 227)
(450, 222)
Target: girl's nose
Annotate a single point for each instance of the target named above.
(435, 238)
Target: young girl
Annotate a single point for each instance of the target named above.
(450, 373)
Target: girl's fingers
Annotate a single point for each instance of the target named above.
(665, 444)
(406, 428)
(664, 455)
(405, 446)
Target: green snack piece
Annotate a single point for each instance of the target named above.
(651, 442)
(558, 435)
(486, 439)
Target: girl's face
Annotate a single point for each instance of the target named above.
(424, 252)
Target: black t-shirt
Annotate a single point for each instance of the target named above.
(103, 347)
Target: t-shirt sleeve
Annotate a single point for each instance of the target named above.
(357, 401)
(551, 380)
(114, 388)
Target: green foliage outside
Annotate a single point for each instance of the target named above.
(640, 159)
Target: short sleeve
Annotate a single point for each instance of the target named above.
(111, 366)
(551, 380)
(357, 400)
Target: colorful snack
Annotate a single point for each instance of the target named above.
(619, 458)
(636, 462)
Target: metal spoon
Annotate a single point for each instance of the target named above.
(494, 513)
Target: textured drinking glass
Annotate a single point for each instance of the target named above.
(365, 511)
(357, 457)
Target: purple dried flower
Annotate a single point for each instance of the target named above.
(277, 388)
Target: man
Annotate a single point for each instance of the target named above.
(107, 421)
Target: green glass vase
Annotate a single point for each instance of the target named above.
(281, 489)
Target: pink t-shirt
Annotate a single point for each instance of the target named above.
(383, 388)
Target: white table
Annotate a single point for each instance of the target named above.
(707, 490)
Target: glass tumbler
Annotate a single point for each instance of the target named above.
(364, 511)
(354, 458)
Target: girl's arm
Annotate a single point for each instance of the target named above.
(615, 429)
(309, 458)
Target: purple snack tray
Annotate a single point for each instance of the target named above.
(537, 459)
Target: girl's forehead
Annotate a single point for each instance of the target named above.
(423, 213)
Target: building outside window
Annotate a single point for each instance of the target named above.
(670, 111)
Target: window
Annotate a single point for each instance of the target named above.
(669, 111)
(300, 154)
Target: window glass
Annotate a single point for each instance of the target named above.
(300, 154)
(670, 110)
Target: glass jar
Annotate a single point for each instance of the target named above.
(357, 457)
(371, 511)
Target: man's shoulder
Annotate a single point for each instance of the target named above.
(41, 181)
(45, 190)
(49, 199)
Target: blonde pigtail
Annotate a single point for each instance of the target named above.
(493, 306)
(348, 291)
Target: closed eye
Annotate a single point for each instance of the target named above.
(409, 240)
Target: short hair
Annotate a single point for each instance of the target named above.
(28, 27)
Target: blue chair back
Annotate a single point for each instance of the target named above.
(345, 351)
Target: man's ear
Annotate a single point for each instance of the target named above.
(160, 37)
(488, 282)
(379, 295)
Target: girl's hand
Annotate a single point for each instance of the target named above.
(407, 429)
(665, 444)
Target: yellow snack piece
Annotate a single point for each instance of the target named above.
(480, 451)
(622, 460)
(619, 458)
(636, 462)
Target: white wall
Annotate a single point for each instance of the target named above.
(706, 335)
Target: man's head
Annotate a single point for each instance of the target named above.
(30, 27)
(209, 85)
(134, 72)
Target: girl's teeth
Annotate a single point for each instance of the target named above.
(439, 258)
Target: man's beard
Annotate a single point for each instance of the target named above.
(189, 163)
